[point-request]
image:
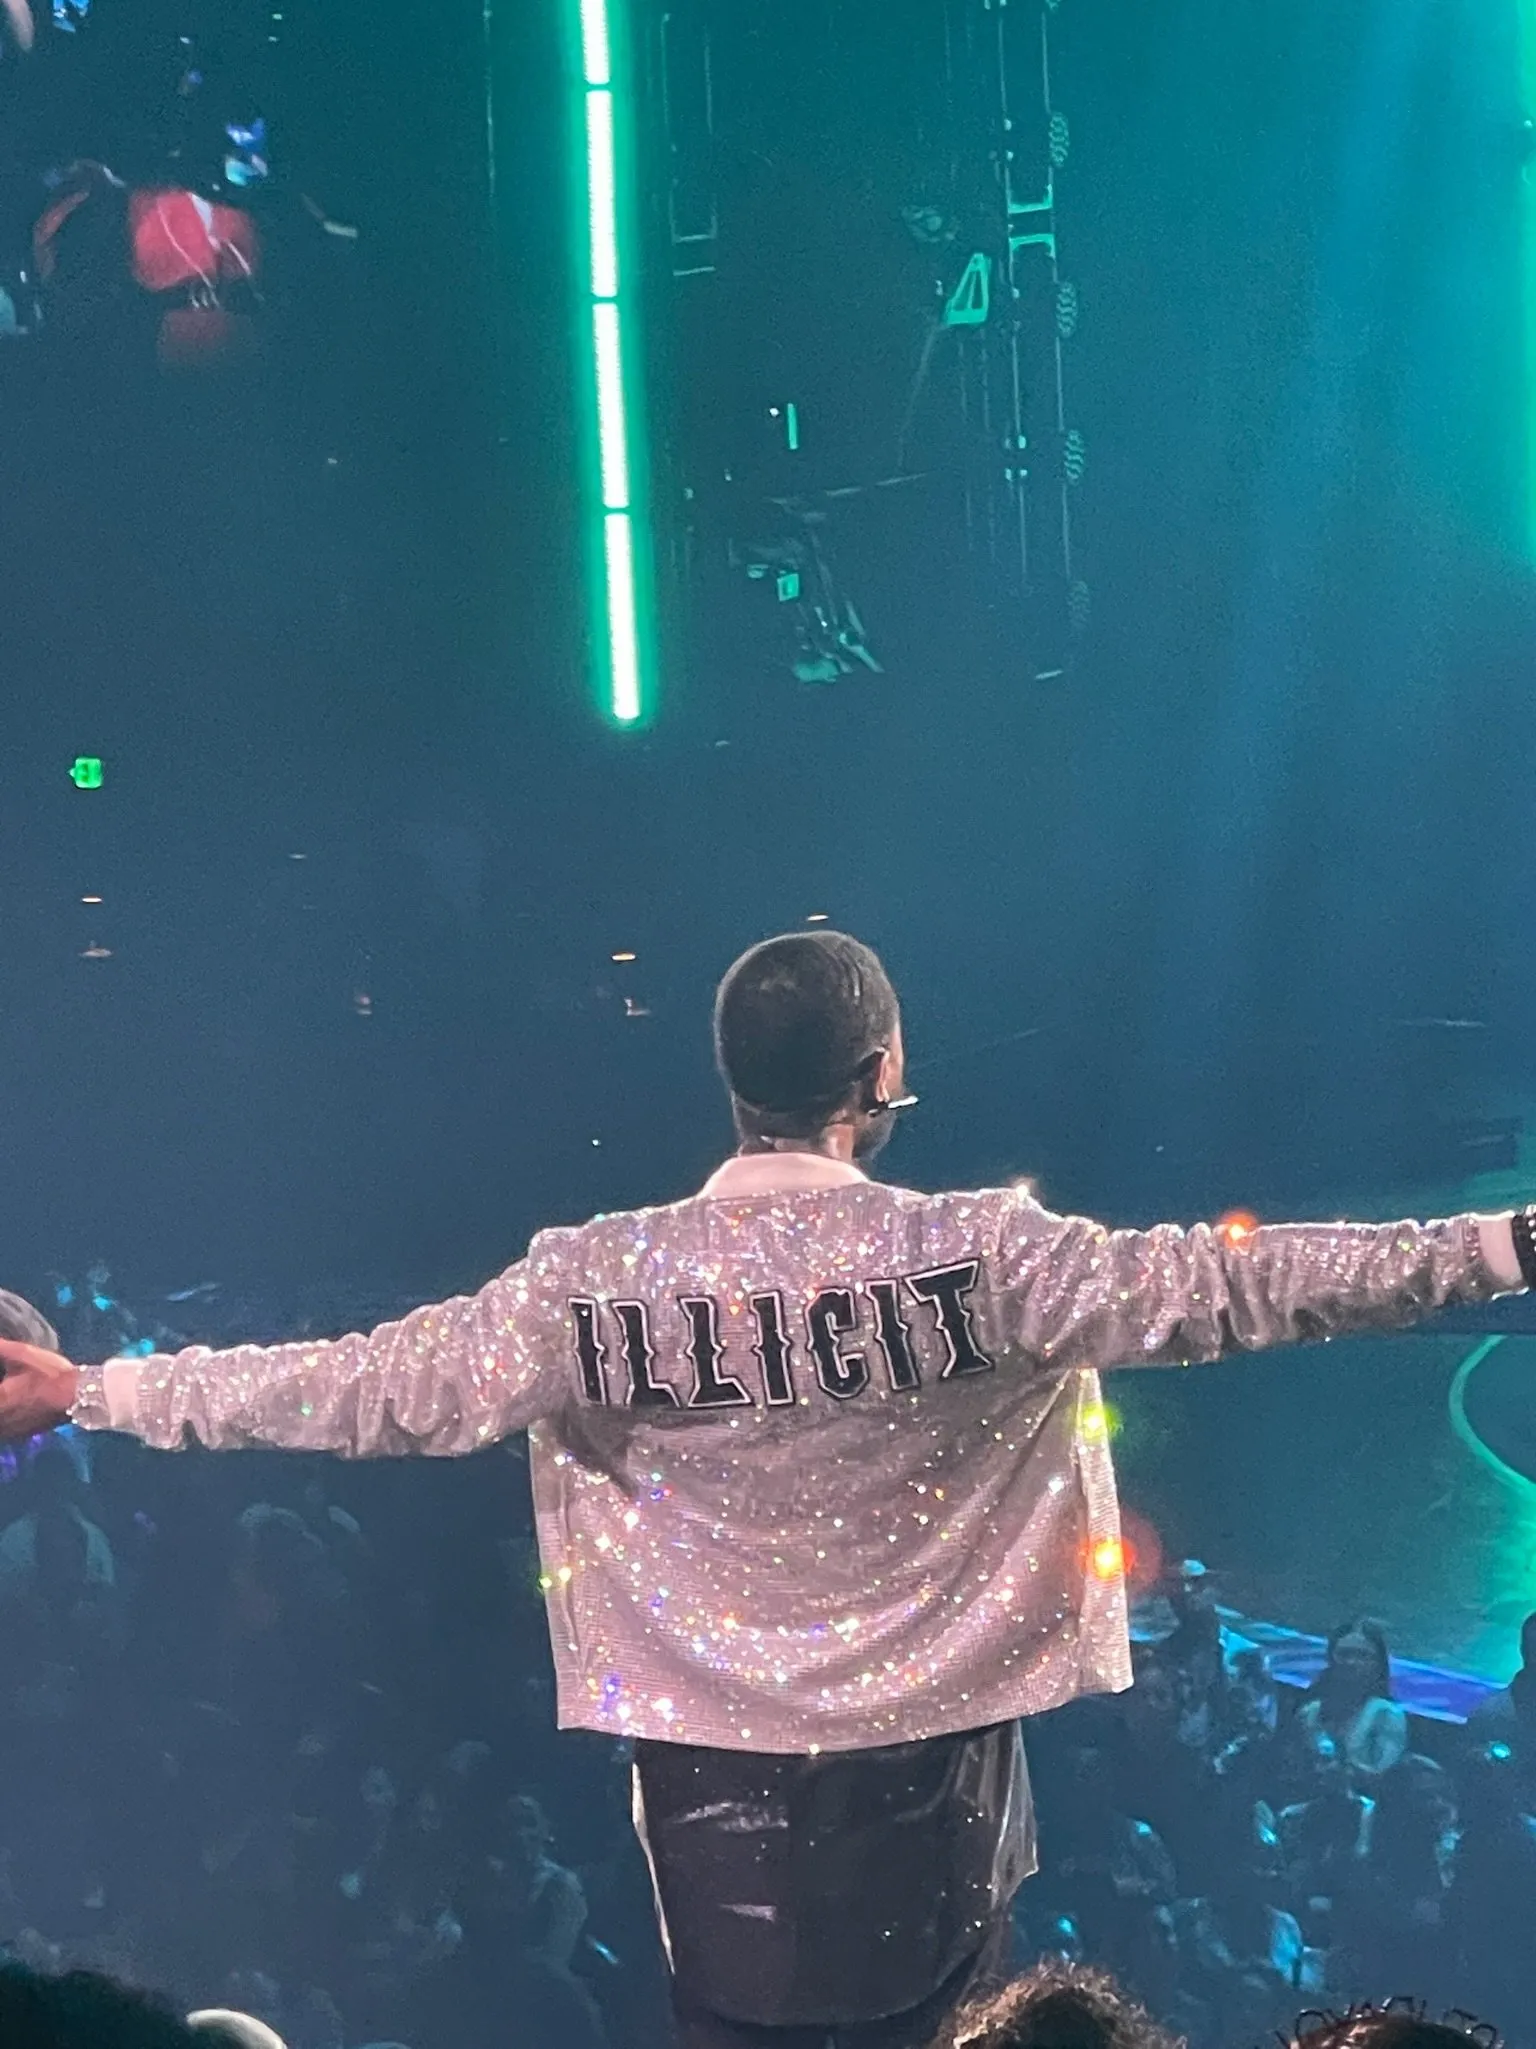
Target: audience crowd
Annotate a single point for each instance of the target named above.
(279, 1737)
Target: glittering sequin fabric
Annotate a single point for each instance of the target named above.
(817, 1470)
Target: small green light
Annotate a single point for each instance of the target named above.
(970, 303)
(86, 773)
(792, 427)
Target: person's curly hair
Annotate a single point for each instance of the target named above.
(1400, 2024)
(1056, 2006)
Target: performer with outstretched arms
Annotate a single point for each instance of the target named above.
(822, 1484)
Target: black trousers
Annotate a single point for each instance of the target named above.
(851, 1899)
(698, 2028)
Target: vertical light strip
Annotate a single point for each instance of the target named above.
(596, 45)
(612, 425)
(623, 624)
(613, 462)
(602, 195)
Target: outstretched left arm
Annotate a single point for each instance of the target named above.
(1084, 1295)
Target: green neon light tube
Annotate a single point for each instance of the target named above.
(614, 465)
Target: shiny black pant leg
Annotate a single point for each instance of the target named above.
(697, 2028)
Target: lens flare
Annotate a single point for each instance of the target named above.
(1237, 1227)
(1142, 1549)
(1099, 1423)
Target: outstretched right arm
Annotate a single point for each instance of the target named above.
(445, 1380)
(1084, 1295)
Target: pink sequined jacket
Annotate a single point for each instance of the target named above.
(818, 1463)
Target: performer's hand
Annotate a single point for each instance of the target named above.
(37, 1390)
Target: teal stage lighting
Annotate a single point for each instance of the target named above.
(618, 523)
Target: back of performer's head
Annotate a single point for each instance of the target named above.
(1056, 2006)
(808, 1034)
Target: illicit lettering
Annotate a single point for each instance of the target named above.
(591, 1352)
(773, 1350)
(843, 1369)
(640, 1357)
(948, 1290)
(831, 1317)
(893, 1337)
(712, 1389)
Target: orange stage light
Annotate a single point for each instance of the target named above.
(1237, 1226)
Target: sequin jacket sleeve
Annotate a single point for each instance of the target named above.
(446, 1379)
(1082, 1295)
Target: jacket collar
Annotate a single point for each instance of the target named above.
(752, 1174)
